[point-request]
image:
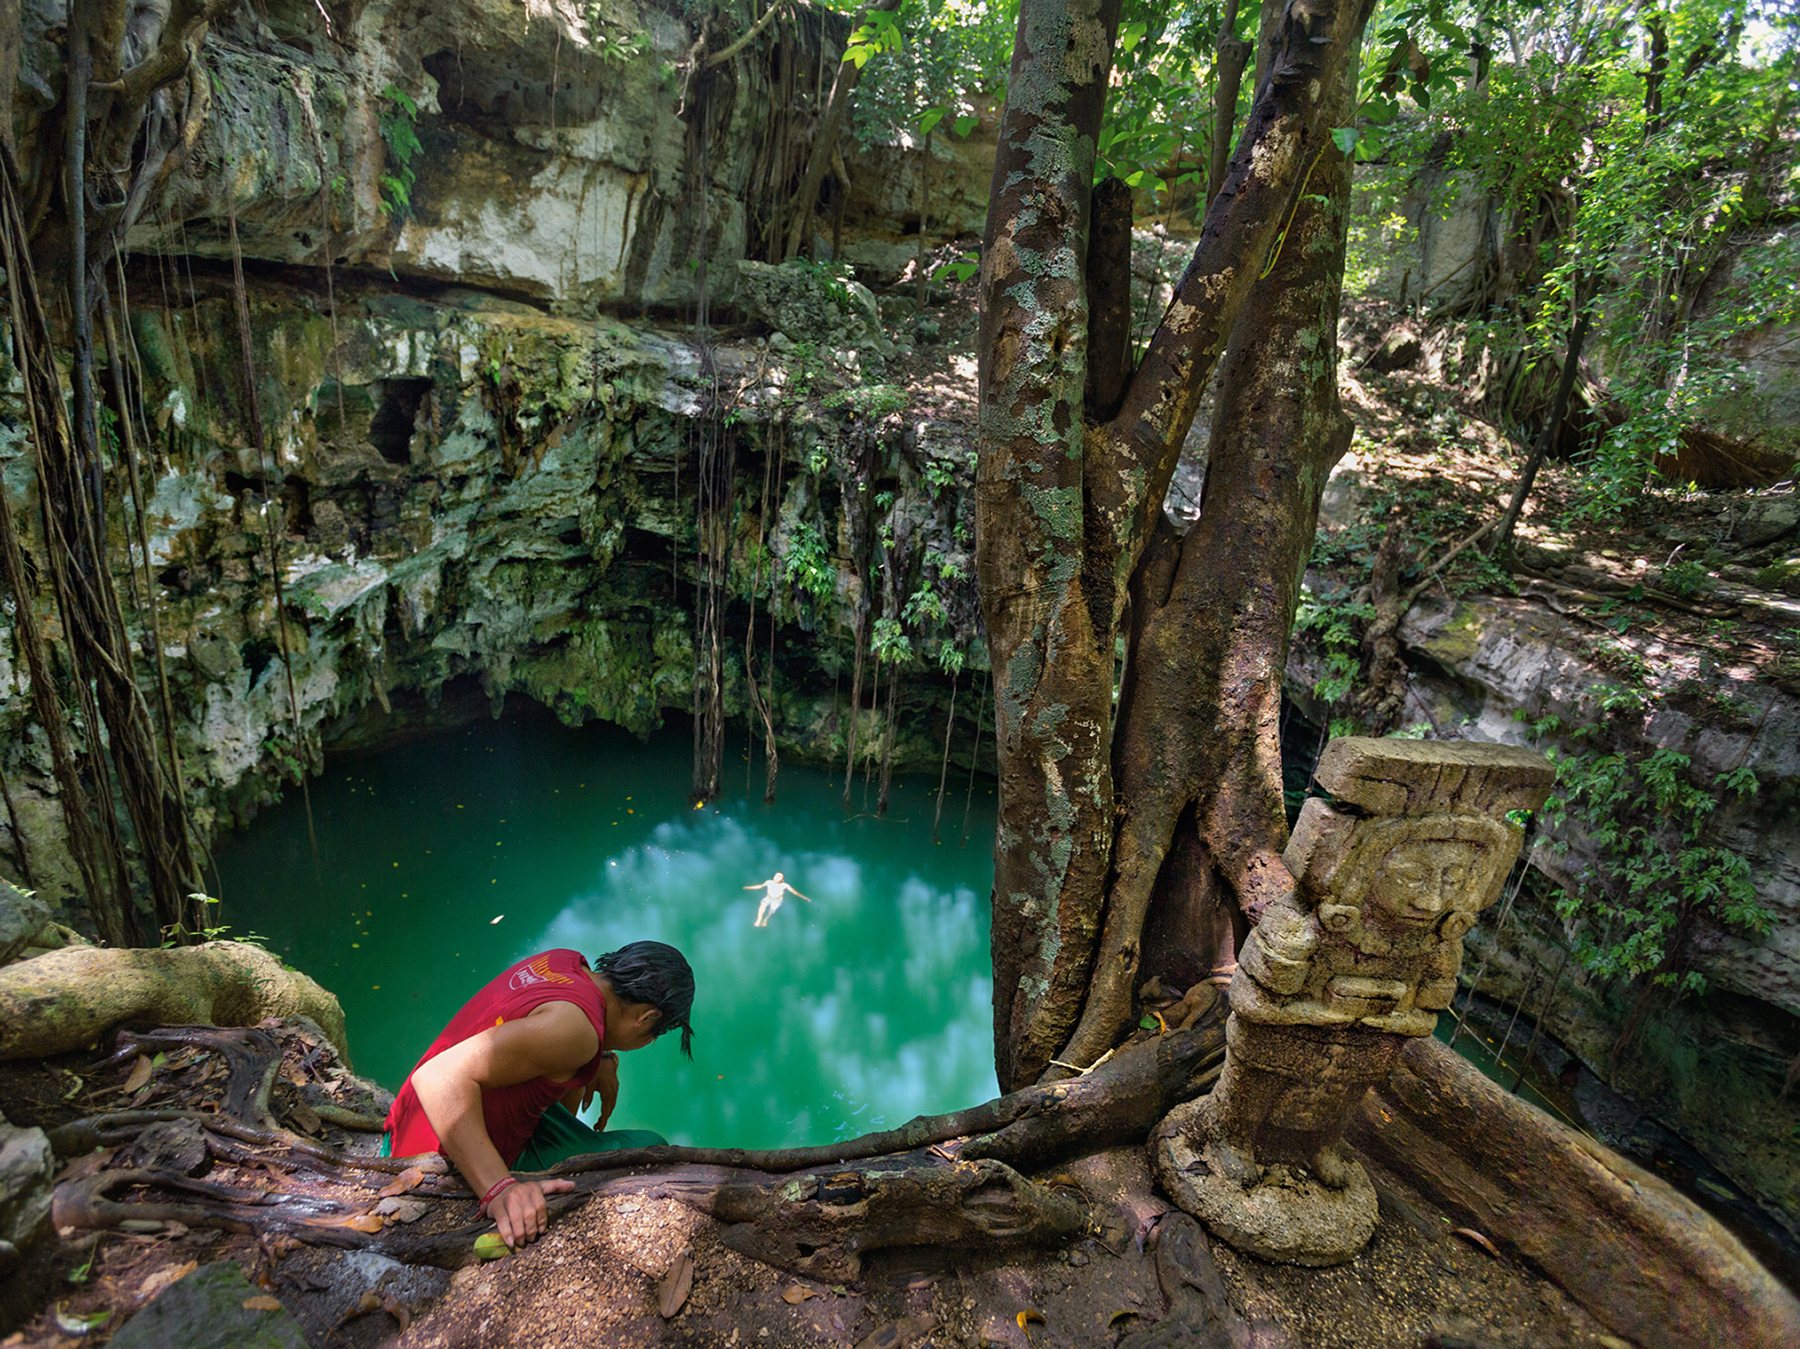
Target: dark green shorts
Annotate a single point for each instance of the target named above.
(561, 1135)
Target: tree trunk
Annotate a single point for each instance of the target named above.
(1559, 407)
(1231, 55)
(831, 122)
(1066, 505)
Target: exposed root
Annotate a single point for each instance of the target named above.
(943, 1181)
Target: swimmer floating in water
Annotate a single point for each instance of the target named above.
(775, 889)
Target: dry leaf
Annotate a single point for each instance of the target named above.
(85, 1165)
(409, 1179)
(262, 1302)
(1123, 1314)
(796, 1293)
(162, 1278)
(1470, 1235)
(672, 1292)
(399, 1311)
(305, 1117)
(402, 1210)
(1028, 1318)
(140, 1074)
(356, 1222)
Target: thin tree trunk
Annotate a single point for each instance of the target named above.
(1559, 407)
(1231, 54)
(818, 159)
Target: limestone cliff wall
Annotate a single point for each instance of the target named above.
(488, 410)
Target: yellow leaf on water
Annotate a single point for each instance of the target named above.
(262, 1302)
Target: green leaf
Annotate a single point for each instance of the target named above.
(1344, 137)
(930, 118)
(492, 1246)
(1147, 1023)
(964, 125)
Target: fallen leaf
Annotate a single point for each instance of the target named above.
(369, 1302)
(1470, 1235)
(1028, 1318)
(1123, 1314)
(262, 1302)
(162, 1278)
(672, 1292)
(356, 1222)
(79, 1323)
(305, 1117)
(796, 1293)
(85, 1165)
(140, 1074)
(492, 1246)
(409, 1179)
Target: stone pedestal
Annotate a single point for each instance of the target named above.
(1336, 978)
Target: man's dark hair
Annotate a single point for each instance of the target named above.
(656, 973)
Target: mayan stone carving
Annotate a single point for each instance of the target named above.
(1390, 875)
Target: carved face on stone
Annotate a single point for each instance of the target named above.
(1420, 880)
(1406, 874)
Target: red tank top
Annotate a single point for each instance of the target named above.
(511, 1113)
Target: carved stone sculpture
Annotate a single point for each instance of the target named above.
(1336, 977)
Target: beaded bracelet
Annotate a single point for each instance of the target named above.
(497, 1189)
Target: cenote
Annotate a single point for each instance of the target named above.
(442, 860)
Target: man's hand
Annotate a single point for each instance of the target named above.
(520, 1211)
(606, 1086)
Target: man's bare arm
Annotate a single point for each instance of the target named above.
(555, 1040)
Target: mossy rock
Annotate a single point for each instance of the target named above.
(1783, 576)
(215, 1307)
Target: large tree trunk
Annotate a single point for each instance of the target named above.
(1067, 503)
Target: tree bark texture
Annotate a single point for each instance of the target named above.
(1067, 503)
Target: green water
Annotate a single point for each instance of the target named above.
(444, 860)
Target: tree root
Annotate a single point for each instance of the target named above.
(956, 1180)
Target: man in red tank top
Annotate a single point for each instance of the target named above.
(502, 1081)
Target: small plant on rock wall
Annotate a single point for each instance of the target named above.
(1645, 819)
(399, 120)
(888, 642)
(808, 567)
(1337, 624)
(871, 402)
(939, 474)
(925, 606)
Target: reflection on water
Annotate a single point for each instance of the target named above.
(444, 860)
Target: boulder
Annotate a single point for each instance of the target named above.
(26, 1166)
(70, 999)
(215, 1307)
(22, 916)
